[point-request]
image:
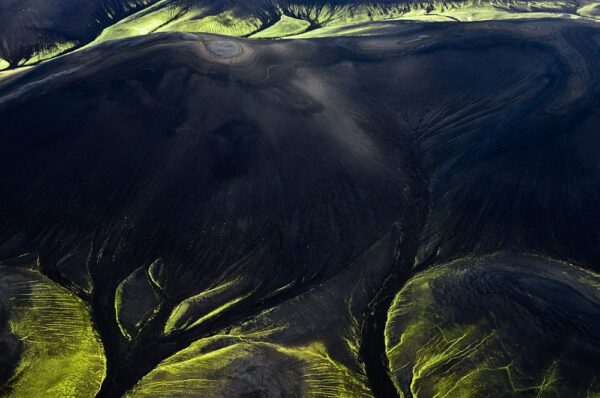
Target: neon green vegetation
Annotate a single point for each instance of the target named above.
(205, 305)
(479, 328)
(259, 368)
(62, 355)
(286, 26)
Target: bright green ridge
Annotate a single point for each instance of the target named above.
(286, 26)
(162, 17)
(359, 29)
(296, 21)
(204, 306)
(49, 53)
(184, 308)
(157, 273)
(62, 355)
(226, 24)
(140, 23)
(165, 18)
(358, 23)
(435, 353)
(591, 10)
(251, 367)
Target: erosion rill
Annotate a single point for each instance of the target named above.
(342, 198)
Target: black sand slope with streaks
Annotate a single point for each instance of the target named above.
(237, 217)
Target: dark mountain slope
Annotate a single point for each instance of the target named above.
(32, 26)
(229, 186)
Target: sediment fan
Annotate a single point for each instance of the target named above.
(410, 210)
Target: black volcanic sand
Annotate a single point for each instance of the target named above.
(240, 215)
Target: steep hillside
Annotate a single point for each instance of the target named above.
(31, 30)
(414, 213)
(34, 30)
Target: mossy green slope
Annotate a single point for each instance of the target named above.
(305, 21)
(591, 10)
(164, 17)
(500, 326)
(286, 26)
(141, 23)
(258, 368)
(62, 356)
(225, 23)
(116, 19)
